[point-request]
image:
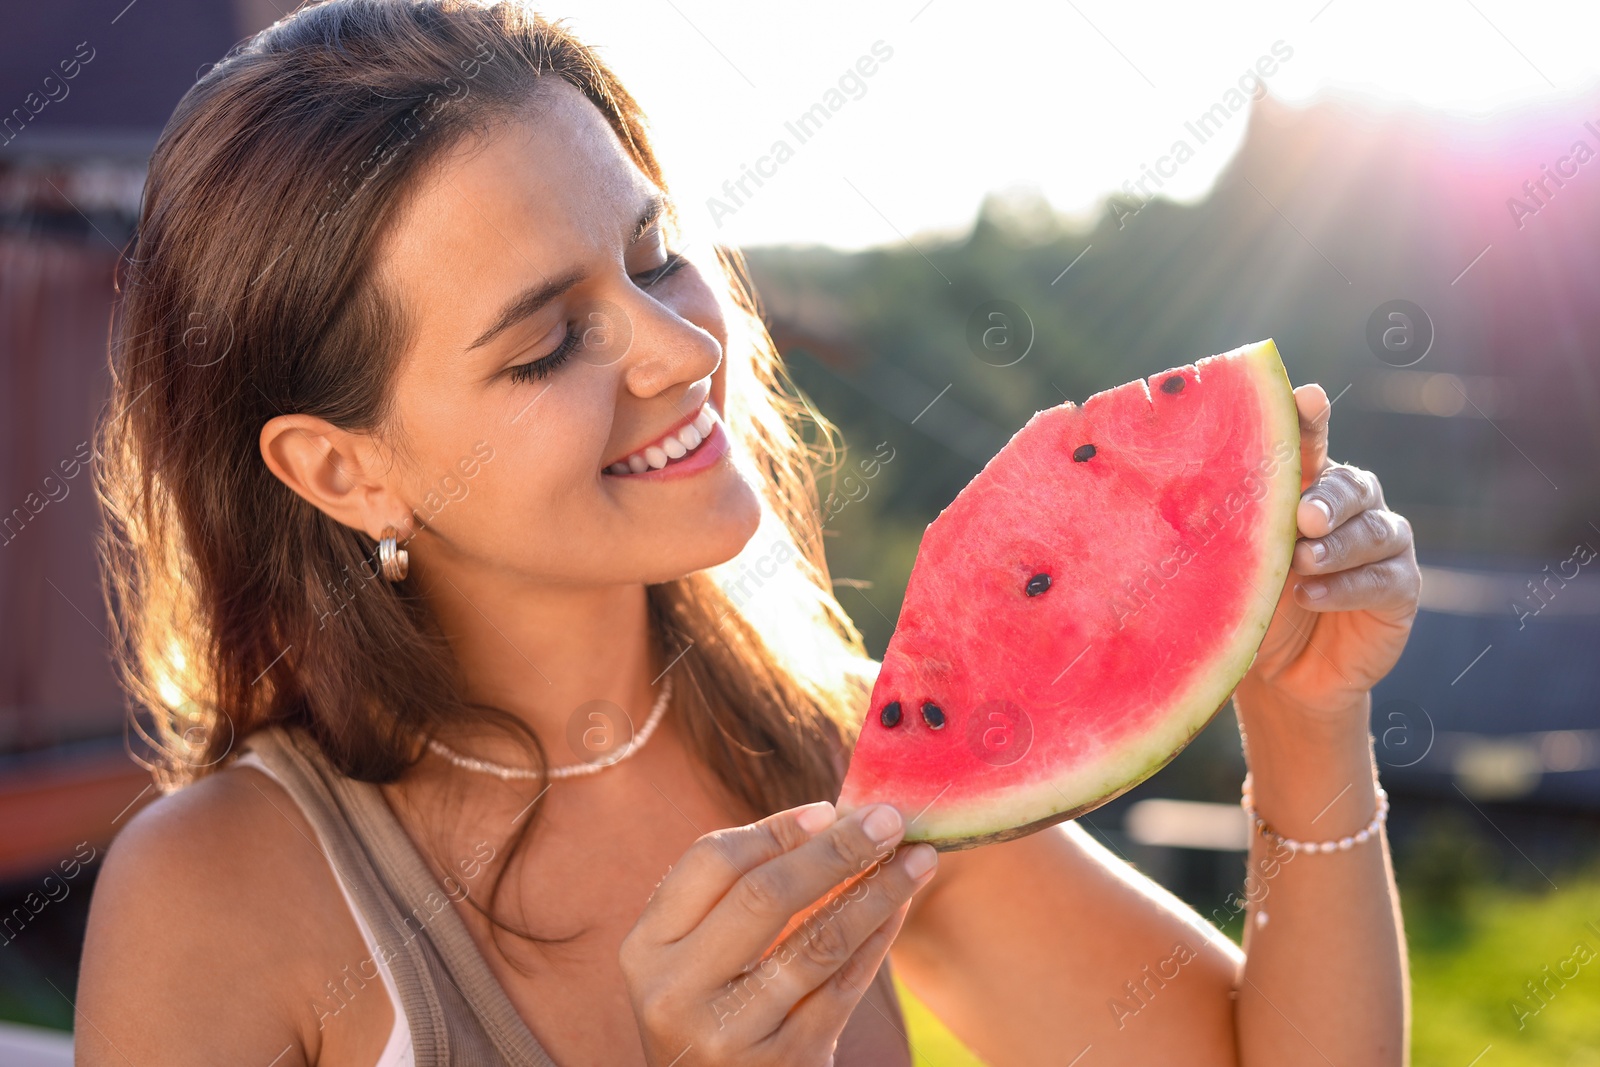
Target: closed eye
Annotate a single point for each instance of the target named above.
(540, 368)
(673, 264)
(545, 365)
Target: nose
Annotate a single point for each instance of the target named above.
(672, 342)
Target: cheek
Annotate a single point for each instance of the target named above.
(518, 458)
(523, 501)
(553, 461)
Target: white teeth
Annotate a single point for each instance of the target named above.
(688, 437)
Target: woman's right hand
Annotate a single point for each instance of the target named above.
(697, 963)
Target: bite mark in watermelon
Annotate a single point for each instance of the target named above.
(1086, 604)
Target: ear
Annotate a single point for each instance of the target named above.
(342, 474)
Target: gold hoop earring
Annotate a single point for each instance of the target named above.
(393, 561)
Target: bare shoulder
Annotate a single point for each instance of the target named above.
(213, 913)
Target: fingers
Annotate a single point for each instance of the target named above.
(822, 1015)
(1314, 408)
(1337, 495)
(757, 878)
(717, 861)
(1372, 536)
(1355, 553)
(834, 933)
(760, 904)
(1391, 585)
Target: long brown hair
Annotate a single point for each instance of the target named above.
(250, 291)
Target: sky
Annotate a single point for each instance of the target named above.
(920, 107)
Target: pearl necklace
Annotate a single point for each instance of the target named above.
(571, 770)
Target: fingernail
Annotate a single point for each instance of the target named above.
(1315, 590)
(1319, 551)
(1327, 512)
(920, 860)
(814, 818)
(882, 824)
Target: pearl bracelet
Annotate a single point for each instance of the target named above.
(1343, 844)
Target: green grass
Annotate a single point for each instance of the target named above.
(1472, 949)
(1468, 968)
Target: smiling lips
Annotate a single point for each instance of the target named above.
(670, 447)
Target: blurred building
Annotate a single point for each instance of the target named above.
(1496, 698)
(85, 87)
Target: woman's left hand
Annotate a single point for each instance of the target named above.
(1353, 587)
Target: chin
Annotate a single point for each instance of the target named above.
(715, 534)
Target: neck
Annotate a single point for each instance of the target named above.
(541, 652)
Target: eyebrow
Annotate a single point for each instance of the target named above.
(531, 300)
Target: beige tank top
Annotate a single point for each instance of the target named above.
(458, 1014)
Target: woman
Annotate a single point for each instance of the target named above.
(408, 274)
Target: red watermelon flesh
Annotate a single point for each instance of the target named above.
(1086, 604)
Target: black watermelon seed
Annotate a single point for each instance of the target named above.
(1038, 584)
(1082, 452)
(890, 715)
(933, 715)
(1173, 384)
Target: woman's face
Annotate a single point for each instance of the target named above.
(554, 332)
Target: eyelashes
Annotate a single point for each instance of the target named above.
(546, 365)
(673, 263)
(538, 369)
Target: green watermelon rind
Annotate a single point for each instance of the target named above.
(1114, 773)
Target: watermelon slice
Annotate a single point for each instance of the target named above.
(1086, 604)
